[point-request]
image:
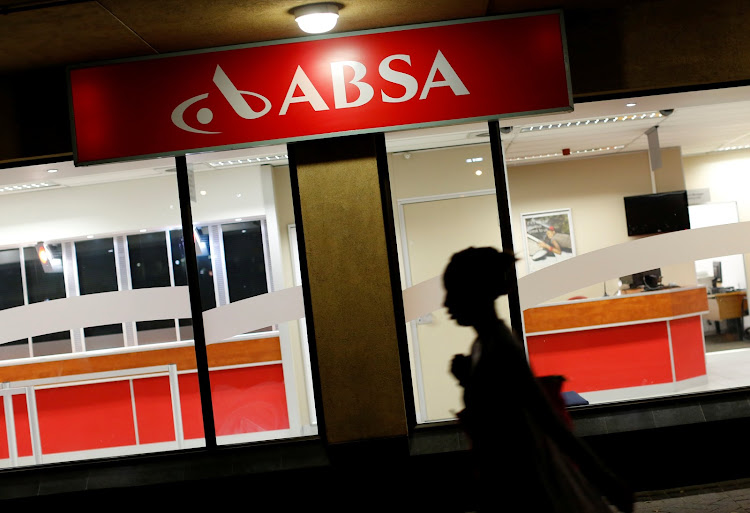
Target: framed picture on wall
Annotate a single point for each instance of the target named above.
(547, 238)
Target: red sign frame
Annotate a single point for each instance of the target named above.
(403, 77)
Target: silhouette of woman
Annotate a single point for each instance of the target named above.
(520, 443)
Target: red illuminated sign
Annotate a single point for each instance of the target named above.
(243, 96)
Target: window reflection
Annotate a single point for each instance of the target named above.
(245, 260)
(97, 273)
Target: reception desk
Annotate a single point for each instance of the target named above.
(635, 340)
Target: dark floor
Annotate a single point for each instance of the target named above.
(727, 339)
(724, 497)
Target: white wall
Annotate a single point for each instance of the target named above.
(593, 188)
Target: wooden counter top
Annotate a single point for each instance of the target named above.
(614, 310)
(237, 352)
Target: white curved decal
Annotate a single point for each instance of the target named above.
(253, 314)
(632, 257)
(94, 310)
(150, 305)
(598, 266)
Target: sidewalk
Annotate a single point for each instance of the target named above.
(723, 497)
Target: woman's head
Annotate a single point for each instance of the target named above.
(474, 278)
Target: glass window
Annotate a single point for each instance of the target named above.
(177, 246)
(107, 397)
(45, 285)
(205, 266)
(590, 287)
(245, 260)
(11, 295)
(42, 285)
(629, 312)
(444, 201)
(149, 266)
(97, 273)
(243, 215)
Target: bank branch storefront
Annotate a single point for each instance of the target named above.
(131, 338)
(249, 245)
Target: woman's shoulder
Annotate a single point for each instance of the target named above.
(501, 342)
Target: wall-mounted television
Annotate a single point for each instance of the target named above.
(662, 212)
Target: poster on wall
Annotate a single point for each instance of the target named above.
(548, 238)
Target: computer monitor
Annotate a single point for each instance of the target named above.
(647, 279)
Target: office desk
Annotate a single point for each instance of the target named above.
(634, 340)
(727, 306)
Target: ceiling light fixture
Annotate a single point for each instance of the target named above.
(316, 18)
(631, 104)
(558, 154)
(249, 160)
(592, 121)
(52, 170)
(534, 157)
(731, 148)
(25, 187)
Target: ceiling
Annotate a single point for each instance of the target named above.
(46, 34)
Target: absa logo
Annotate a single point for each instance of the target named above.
(441, 74)
(232, 95)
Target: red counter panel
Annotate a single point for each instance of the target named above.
(604, 358)
(23, 430)
(249, 400)
(100, 415)
(153, 404)
(85, 417)
(688, 347)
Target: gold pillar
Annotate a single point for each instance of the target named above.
(350, 289)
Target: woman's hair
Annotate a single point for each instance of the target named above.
(483, 272)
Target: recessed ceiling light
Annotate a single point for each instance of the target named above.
(631, 104)
(238, 219)
(592, 121)
(316, 18)
(142, 230)
(52, 170)
(249, 160)
(203, 193)
(478, 172)
(27, 187)
(89, 236)
(574, 152)
(730, 148)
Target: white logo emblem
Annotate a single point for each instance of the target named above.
(230, 93)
